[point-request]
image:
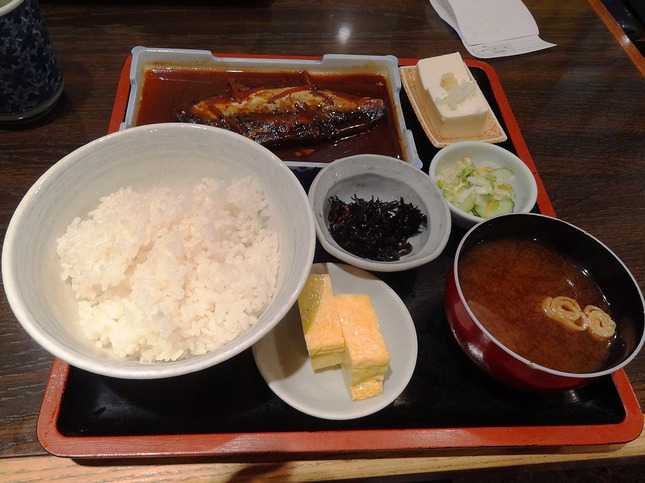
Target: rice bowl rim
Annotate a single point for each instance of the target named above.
(132, 369)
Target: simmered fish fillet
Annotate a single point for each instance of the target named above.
(287, 115)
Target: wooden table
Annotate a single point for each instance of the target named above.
(579, 106)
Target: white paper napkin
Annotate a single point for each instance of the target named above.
(492, 28)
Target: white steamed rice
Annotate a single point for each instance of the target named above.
(169, 273)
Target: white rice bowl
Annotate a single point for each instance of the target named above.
(147, 158)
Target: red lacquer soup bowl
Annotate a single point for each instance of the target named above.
(620, 292)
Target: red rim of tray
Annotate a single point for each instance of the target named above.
(337, 442)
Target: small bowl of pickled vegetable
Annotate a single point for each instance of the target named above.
(379, 213)
(480, 180)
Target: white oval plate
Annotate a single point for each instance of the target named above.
(281, 356)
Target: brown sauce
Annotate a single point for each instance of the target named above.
(165, 91)
(504, 282)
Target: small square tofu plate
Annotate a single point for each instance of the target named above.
(281, 356)
(493, 131)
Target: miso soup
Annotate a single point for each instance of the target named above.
(505, 282)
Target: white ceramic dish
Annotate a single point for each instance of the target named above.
(281, 356)
(388, 179)
(144, 57)
(142, 157)
(524, 184)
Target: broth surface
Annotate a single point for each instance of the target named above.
(504, 282)
(165, 91)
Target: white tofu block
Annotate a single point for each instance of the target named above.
(454, 101)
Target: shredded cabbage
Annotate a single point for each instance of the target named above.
(483, 190)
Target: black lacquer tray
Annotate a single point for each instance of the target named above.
(229, 409)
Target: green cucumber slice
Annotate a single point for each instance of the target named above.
(502, 175)
(498, 207)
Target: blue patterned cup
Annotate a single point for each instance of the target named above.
(31, 80)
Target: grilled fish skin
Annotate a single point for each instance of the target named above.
(287, 115)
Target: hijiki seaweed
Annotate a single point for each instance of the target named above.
(374, 229)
